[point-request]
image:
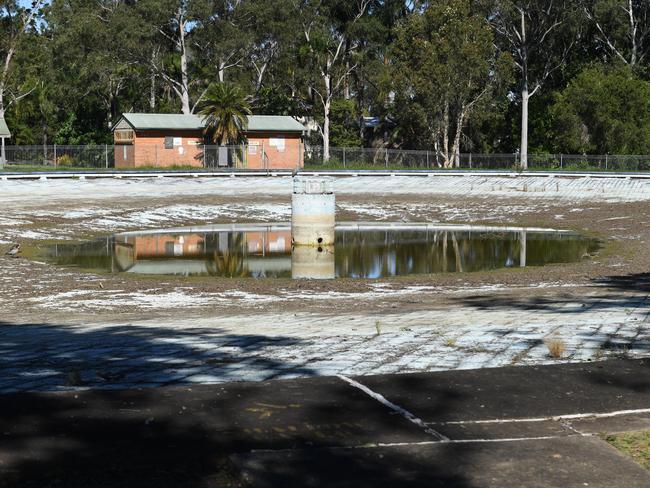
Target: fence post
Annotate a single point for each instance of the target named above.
(106, 154)
(428, 165)
(344, 157)
(561, 161)
(386, 157)
(55, 158)
(205, 161)
(470, 160)
(606, 161)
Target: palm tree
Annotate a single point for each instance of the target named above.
(225, 109)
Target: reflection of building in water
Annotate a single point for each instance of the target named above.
(375, 252)
(192, 254)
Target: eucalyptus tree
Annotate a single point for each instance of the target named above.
(539, 34)
(273, 35)
(374, 87)
(16, 22)
(622, 28)
(444, 65)
(221, 37)
(329, 49)
(98, 39)
(168, 29)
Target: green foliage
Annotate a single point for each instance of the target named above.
(603, 110)
(345, 128)
(272, 101)
(226, 110)
(437, 74)
(445, 68)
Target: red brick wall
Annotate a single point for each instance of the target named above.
(289, 158)
(148, 149)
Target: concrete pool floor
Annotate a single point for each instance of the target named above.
(63, 328)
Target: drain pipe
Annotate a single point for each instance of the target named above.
(313, 207)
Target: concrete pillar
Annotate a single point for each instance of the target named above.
(522, 249)
(312, 228)
(316, 263)
(3, 156)
(312, 212)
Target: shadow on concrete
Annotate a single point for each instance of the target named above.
(562, 303)
(639, 282)
(46, 357)
(96, 435)
(184, 437)
(608, 297)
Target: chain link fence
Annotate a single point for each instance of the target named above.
(60, 157)
(256, 157)
(381, 158)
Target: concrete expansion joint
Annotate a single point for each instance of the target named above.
(396, 408)
(551, 418)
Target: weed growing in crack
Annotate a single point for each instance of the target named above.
(556, 347)
(450, 343)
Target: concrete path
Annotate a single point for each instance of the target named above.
(509, 427)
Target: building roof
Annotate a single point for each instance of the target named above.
(256, 123)
(4, 130)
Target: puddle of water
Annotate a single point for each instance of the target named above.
(360, 251)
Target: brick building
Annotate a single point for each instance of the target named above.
(166, 140)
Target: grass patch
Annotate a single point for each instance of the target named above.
(634, 444)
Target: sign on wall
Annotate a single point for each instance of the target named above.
(277, 142)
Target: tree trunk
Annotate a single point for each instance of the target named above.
(185, 93)
(327, 106)
(3, 80)
(260, 77)
(222, 71)
(346, 81)
(523, 153)
(633, 31)
(152, 91)
(152, 82)
(459, 131)
(2, 99)
(185, 90)
(445, 135)
(326, 130)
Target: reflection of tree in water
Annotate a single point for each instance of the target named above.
(390, 253)
(226, 259)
